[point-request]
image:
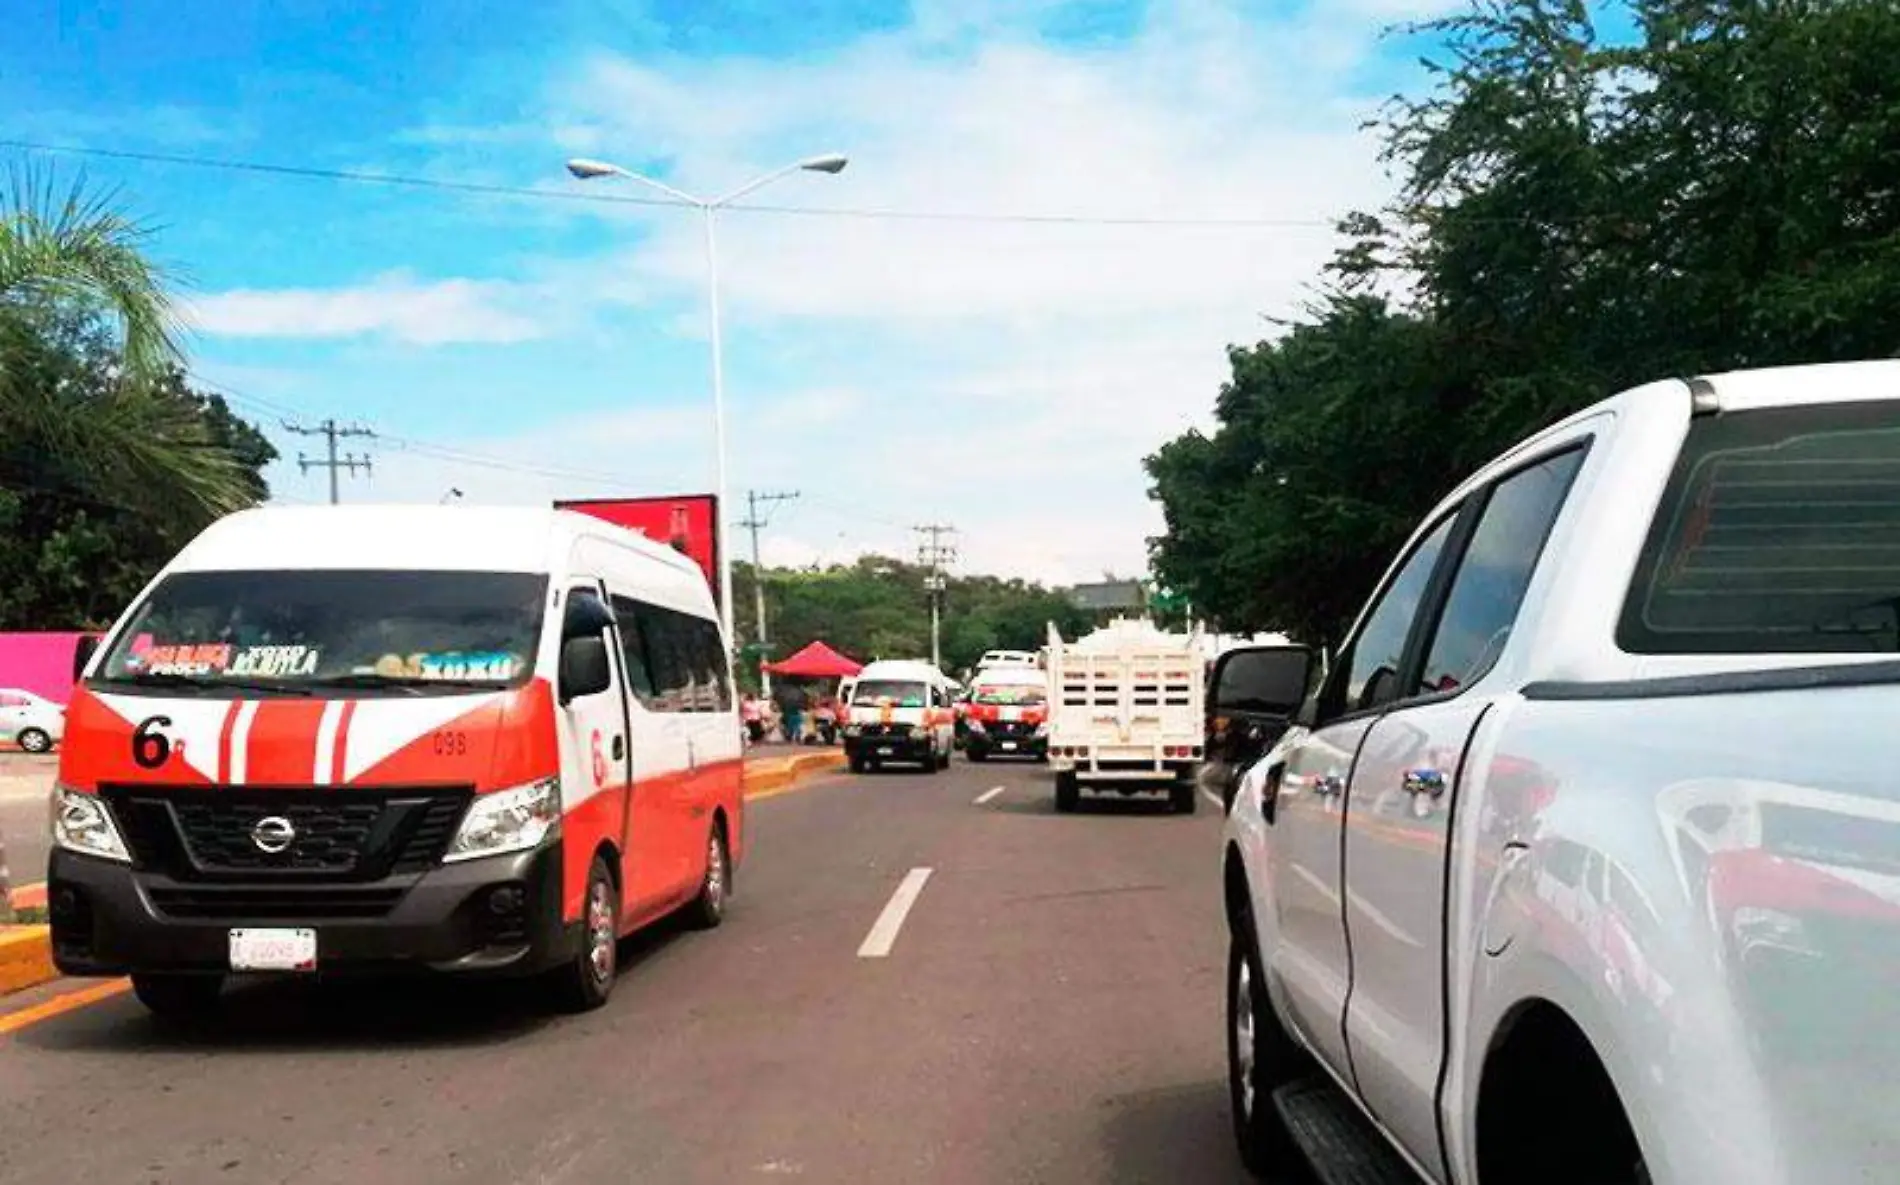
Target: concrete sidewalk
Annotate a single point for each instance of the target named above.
(26, 958)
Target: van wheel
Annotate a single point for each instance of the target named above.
(715, 887)
(34, 740)
(1068, 791)
(976, 753)
(943, 760)
(929, 765)
(857, 762)
(178, 997)
(585, 982)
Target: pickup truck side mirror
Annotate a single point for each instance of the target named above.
(1253, 692)
(83, 650)
(586, 668)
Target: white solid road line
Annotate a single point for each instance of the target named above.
(883, 933)
(1213, 800)
(984, 797)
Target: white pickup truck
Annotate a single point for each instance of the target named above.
(1582, 864)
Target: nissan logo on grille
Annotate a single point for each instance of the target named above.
(272, 834)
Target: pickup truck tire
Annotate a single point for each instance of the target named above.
(1261, 1058)
(1182, 799)
(1068, 792)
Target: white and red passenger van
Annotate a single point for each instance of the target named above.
(374, 738)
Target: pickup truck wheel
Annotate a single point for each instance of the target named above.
(1261, 1058)
(1068, 791)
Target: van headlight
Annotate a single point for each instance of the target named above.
(507, 821)
(82, 823)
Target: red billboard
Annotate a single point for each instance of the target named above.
(689, 523)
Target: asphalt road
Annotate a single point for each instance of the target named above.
(1049, 1011)
(24, 784)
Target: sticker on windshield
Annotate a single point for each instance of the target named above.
(206, 658)
(454, 664)
(275, 661)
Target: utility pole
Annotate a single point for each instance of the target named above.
(933, 554)
(331, 431)
(753, 521)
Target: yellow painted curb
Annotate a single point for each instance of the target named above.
(26, 957)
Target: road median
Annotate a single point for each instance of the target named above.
(26, 957)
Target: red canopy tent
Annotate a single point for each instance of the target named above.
(816, 661)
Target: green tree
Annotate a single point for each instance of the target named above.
(77, 540)
(1577, 215)
(73, 266)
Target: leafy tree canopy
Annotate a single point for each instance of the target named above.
(1577, 215)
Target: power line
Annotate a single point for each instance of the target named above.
(331, 432)
(621, 199)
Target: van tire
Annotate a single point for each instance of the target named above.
(715, 884)
(1068, 792)
(857, 762)
(178, 997)
(929, 765)
(581, 984)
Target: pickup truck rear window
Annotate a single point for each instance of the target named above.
(1778, 533)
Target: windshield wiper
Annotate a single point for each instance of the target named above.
(412, 684)
(202, 683)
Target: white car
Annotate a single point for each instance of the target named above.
(1582, 863)
(32, 722)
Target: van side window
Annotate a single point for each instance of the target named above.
(671, 661)
(685, 661)
(634, 651)
(709, 652)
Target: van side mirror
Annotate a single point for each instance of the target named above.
(585, 666)
(83, 650)
(586, 616)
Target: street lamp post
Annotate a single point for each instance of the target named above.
(588, 170)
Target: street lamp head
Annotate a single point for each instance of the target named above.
(834, 163)
(587, 170)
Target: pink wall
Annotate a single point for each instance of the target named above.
(41, 663)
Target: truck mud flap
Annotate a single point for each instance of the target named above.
(1340, 1145)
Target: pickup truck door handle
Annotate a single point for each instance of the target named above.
(1429, 782)
(1329, 785)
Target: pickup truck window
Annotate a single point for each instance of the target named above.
(1778, 533)
(1371, 663)
(1494, 572)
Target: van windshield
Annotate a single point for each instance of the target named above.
(899, 693)
(306, 629)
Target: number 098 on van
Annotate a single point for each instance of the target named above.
(369, 739)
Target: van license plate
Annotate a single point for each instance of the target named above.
(1008, 745)
(885, 750)
(273, 950)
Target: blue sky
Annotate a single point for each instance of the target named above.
(1007, 378)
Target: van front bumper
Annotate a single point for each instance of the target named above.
(914, 747)
(498, 915)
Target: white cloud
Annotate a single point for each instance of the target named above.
(394, 305)
(1007, 377)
